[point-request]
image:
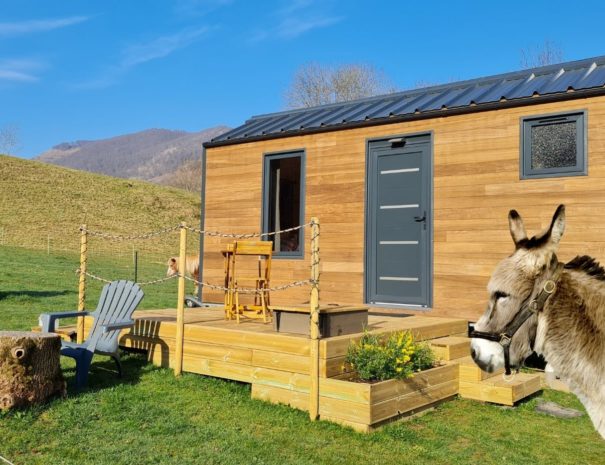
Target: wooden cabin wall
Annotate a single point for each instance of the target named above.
(476, 182)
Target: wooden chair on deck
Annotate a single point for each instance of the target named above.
(242, 276)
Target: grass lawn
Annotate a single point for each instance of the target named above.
(149, 417)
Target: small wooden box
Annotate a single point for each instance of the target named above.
(333, 321)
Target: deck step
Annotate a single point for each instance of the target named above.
(451, 347)
(470, 372)
(500, 391)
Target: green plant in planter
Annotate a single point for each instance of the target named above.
(397, 356)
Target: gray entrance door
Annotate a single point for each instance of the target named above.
(398, 252)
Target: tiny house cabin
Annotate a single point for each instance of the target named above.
(413, 189)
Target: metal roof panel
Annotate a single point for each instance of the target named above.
(595, 79)
(564, 81)
(553, 79)
(379, 111)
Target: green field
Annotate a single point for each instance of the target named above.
(149, 417)
(34, 282)
(42, 207)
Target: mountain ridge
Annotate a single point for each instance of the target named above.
(153, 154)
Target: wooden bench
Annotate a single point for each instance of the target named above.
(333, 320)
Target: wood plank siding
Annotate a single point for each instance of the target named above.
(476, 182)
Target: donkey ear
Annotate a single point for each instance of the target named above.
(557, 226)
(516, 226)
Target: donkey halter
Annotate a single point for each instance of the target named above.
(528, 308)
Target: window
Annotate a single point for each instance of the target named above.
(283, 201)
(553, 146)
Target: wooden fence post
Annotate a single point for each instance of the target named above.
(82, 286)
(314, 330)
(180, 307)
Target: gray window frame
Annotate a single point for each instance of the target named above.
(581, 166)
(267, 158)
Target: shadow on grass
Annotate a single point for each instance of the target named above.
(103, 373)
(531, 397)
(33, 294)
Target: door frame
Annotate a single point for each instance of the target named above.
(429, 222)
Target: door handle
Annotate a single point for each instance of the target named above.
(420, 219)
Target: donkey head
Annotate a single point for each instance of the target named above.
(511, 284)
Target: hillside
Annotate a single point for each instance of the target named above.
(43, 205)
(152, 155)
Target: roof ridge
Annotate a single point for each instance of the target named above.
(567, 66)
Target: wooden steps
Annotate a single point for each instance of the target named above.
(477, 384)
(470, 372)
(499, 391)
(451, 347)
(492, 387)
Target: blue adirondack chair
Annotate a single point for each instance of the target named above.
(114, 312)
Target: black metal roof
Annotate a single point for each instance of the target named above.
(537, 85)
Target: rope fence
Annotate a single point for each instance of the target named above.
(140, 283)
(118, 237)
(149, 235)
(313, 282)
(201, 232)
(215, 287)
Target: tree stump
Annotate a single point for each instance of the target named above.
(30, 372)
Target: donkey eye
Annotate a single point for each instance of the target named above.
(500, 295)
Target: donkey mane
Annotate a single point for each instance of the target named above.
(587, 265)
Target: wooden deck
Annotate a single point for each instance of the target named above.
(217, 347)
(277, 365)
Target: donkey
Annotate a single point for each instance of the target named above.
(538, 304)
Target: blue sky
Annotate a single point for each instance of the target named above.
(93, 69)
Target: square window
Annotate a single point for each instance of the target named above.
(283, 202)
(553, 146)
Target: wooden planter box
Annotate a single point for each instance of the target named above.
(362, 406)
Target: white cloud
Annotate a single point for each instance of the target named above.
(137, 54)
(12, 75)
(198, 7)
(38, 25)
(292, 27)
(160, 47)
(19, 70)
(297, 17)
(294, 5)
